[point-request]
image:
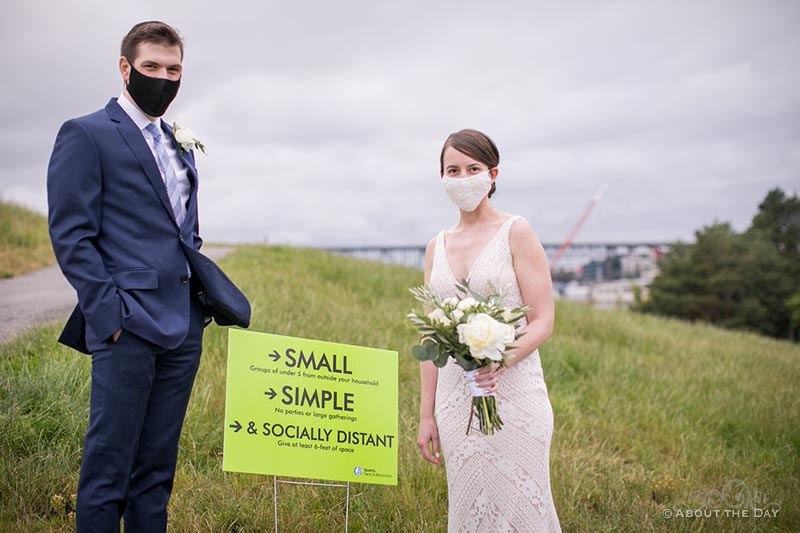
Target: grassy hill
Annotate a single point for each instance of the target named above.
(650, 414)
(24, 242)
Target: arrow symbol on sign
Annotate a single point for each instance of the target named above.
(236, 427)
(271, 393)
(275, 355)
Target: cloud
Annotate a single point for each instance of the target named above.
(324, 121)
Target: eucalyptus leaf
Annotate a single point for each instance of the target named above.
(420, 352)
(432, 349)
(441, 360)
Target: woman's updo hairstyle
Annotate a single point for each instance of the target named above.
(476, 145)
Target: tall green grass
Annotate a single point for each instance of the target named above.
(649, 414)
(24, 241)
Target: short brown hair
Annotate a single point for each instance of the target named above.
(476, 145)
(152, 31)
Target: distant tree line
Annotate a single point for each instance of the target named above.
(748, 280)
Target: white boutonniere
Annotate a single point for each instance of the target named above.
(186, 138)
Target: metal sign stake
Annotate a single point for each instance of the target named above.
(275, 482)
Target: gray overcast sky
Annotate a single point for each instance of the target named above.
(324, 120)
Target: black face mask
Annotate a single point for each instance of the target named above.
(152, 95)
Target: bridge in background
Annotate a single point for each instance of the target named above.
(414, 256)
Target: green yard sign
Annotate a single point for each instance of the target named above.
(310, 409)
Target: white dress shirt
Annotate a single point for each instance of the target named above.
(141, 121)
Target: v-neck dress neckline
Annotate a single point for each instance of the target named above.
(480, 254)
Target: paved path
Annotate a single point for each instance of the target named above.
(44, 296)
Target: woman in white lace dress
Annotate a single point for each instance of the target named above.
(499, 482)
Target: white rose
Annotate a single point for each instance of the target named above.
(466, 304)
(485, 336)
(184, 135)
(186, 138)
(437, 315)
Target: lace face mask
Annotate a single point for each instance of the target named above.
(467, 192)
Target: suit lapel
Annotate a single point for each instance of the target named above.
(135, 141)
(186, 157)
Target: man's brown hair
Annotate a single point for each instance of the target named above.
(152, 31)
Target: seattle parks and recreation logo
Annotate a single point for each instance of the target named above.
(358, 470)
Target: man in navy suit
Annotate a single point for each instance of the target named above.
(122, 200)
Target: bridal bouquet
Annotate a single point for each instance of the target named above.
(474, 330)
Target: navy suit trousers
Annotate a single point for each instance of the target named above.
(138, 402)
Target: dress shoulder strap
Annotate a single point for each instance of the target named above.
(438, 249)
(504, 235)
(506, 229)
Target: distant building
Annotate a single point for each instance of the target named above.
(598, 270)
(606, 294)
(614, 281)
(575, 292)
(618, 293)
(641, 262)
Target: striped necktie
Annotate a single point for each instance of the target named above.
(167, 173)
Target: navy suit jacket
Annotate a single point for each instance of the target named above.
(114, 233)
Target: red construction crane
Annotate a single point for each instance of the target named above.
(567, 243)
